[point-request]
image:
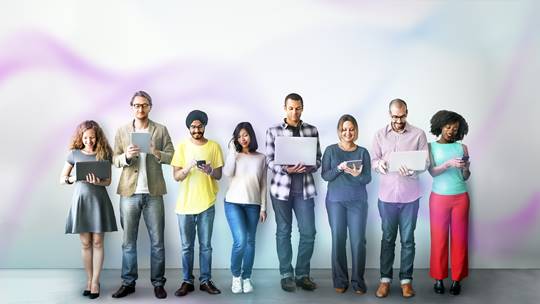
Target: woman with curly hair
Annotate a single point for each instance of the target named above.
(449, 200)
(91, 213)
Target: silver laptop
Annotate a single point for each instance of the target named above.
(294, 150)
(413, 160)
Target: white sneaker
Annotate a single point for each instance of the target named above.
(247, 288)
(236, 285)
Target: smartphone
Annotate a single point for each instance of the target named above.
(465, 158)
(201, 162)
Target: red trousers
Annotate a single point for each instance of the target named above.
(449, 213)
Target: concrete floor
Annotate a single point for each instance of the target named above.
(65, 286)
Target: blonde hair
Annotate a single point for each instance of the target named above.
(102, 148)
(344, 118)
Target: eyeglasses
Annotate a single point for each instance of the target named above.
(143, 106)
(199, 127)
(396, 118)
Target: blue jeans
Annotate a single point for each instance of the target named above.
(201, 225)
(242, 219)
(151, 208)
(394, 216)
(351, 215)
(305, 216)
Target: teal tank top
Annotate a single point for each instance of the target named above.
(451, 181)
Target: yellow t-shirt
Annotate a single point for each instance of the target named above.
(198, 190)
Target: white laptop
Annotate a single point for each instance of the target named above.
(413, 160)
(293, 150)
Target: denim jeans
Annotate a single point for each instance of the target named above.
(151, 208)
(394, 216)
(201, 225)
(305, 216)
(243, 220)
(351, 215)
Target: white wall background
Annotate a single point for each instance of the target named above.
(62, 62)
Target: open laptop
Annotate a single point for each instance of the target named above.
(413, 160)
(293, 150)
(100, 168)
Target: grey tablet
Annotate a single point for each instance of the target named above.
(142, 140)
(100, 168)
(294, 150)
(357, 163)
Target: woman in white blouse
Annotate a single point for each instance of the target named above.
(245, 202)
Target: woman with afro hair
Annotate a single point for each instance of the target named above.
(449, 200)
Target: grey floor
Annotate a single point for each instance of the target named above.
(65, 286)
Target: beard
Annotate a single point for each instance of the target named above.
(398, 126)
(197, 135)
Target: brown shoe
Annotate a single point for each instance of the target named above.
(209, 287)
(184, 289)
(407, 291)
(340, 290)
(383, 290)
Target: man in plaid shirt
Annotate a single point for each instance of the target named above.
(292, 188)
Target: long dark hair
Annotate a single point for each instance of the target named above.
(253, 146)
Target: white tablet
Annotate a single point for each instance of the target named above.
(294, 150)
(413, 160)
(142, 140)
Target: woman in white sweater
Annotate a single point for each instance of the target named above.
(245, 202)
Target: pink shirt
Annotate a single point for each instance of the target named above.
(394, 188)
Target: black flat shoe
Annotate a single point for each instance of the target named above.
(438, 287)
(86, 293)
(94, 295)
(455, 289)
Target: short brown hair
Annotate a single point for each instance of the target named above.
(141, 94)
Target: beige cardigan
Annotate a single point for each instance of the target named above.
(128, 179)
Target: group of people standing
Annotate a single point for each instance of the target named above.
(198, 164)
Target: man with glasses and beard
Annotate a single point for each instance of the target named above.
(197, 165)
(141, 188)
(399, 195)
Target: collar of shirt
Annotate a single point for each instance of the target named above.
(285, 125)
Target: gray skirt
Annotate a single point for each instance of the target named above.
(91, 210)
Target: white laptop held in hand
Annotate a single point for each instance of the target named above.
(413, 160)
(294, 150)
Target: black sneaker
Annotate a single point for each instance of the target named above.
(306, 283)
(287, 284)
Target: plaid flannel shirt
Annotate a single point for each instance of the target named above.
(280, 184)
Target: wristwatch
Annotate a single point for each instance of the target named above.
(66, 180)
